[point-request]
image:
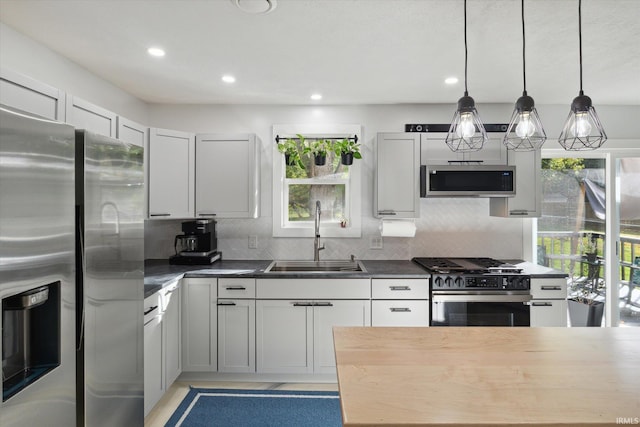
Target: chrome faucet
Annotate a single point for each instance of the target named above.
(316, 242)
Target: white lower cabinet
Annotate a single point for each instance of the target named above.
(326, 315)
(400, 302)
(284, 336)
(295, 336)
(172, 333)
(549, 303)
(199, 325)
(236, 335)
(153, 373)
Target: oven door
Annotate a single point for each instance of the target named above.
(480, 309)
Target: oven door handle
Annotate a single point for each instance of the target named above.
(480, 298)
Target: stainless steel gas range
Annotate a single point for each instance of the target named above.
(477, 292)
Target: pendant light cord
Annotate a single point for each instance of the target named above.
(580, 41)
(524, 68)
(466, 92)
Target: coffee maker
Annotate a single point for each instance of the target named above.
(197, 244)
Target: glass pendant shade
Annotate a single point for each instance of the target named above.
(466, 133)
(582, 130)
(525, 131)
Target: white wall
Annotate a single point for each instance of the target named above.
(25, 56)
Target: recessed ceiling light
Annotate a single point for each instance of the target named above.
(228, 78)
(451, 80)
(316, 96)
(256, 6)
(155, 51)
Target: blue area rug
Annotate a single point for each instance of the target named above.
(228, 407)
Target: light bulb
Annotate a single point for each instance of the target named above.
(525, 128)
(581, 128)
(466, 129)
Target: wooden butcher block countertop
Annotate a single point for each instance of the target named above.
(488, 376)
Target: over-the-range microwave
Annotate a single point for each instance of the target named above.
(467, 181)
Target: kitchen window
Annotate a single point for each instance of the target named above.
(296, 189)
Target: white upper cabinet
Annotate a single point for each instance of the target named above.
(397, 192)
(227, 176)
(31, 96)
(171, 174)
(527, 202)
(131, 132)
(436, 152)
(84, 115)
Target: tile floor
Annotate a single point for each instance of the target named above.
(172, 398)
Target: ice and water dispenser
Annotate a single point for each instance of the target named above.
(30, 337)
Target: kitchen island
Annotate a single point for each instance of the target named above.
(488, 376)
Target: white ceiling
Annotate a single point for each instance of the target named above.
(351, 51)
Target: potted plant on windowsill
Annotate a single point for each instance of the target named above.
(347, 150)
(318, 149)
(584, 309)
(290, 149)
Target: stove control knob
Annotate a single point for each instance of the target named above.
(459, 282)
(438, 282)
(448, 282)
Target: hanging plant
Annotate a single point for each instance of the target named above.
(348, 150)
(318, 149)
(290, 149)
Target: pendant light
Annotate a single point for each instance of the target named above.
(525, 132)
(466, 132)
(582, 130)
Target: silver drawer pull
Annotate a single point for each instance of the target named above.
(400, 309)
(159, 214)
(541, 304)
(226, 303)
(400, 288)
(323, 304)
(551, 288)
(386, 213)
(301, 304)
(206, 214)
(235, 288)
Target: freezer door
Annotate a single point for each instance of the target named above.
(37, 248)
(111, 195)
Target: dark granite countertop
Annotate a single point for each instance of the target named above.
(159, 273)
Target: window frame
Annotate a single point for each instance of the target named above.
(284, 228)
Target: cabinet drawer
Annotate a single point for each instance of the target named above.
(236, 288)
(400, 313)
(549, 288)
(399, 288)
(167, 293)
(313, 288)
(548, 313)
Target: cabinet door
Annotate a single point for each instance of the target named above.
(152, 363)
(31, 96)
(84, 115)
(171, 328)
(435, 151)
(227, 176)
(236, 336)
(284, 336)
(548, 312)
(199, 321)
(171, 175)
(131, 132)
(397, 176)
(528, 199)
(326, 315)
(400, 313)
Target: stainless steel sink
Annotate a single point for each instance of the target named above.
(336, 266)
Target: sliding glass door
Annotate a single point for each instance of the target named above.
(590, 229)
(628, 207)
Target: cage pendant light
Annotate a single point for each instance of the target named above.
(582, 130)
(525, 131)
(466, 133)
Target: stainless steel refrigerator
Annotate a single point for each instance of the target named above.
(71, 261)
